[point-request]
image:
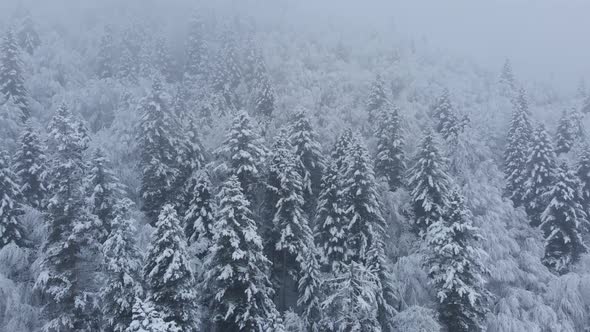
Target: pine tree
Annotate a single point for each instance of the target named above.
(168, 275)
(30, 165)
(147, 319)
(507, 80)
(448, 123)
(454, 268)
(429, 184)
(12, 87)
(163, 61)
(564, 221)
(227, 73)
(564, 139)
(106, 55)
(199, 217)
(28, 38)
(71, 232)
(583, 173)
(192, 154)
(128, 67)
(539, 175)
(197, 51)
(520, 135)
(264, 102)
(309, 157)
(377, 100)
(160, 151)
(244, 153)
(340, 149)
(11, 230)
(309, 287)
(237, 270)
(122, 265)
(390, 161)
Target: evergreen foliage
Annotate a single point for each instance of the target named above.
(11, 229)
(30, 166)
(390, 161)
(12, 85)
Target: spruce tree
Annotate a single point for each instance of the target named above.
(563, 222)
(309, 288)
(11, 230)
(162, 60)
(507, 80)
(30, 166)
(264, 102)
(377, 100)
(227, 73)
(539, 175)
(199, 217)
(429, 184)
(12, 87)
(454, 268)
(448, 123)
(106, 55)
(390, 161)
(340, 149)
(147, 319)
(308, 152)
(237, 270)
(28, 38)
(564, 138)
(122, 266)
(197, 51)
(583, 173)
(520, 135)
(168, 275)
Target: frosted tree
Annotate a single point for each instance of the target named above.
(122, 266)
(539, 175)
(128, 68)
(199, 217)
(167, 273)
(390, 161)
(564, 138)
(159, 153)
(197, 56)
(385, 295)
(192, 154)
(340, 149)
(264, 101)
(377, 99)
(507, 80)
(448, 123)
(147, 319)
(28, 38)
(519, 137)
(564, 222)
(12, 87)
(163, 61)
(227, 73)
(429, 184)
(308, 152)
(30, 166)
(309, 287)
(454, 268)
(244, 153)
(106, 55)
(11, 229)
(583, 173)
(237, 270)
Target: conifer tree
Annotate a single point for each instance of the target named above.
(30, 165)
(168, 275)
(264, 102)
(429, 184)
(192, 154)
(28, 38)
(448, 123)
(539, 175)
(564, 138)
(11, 230)
(12, 87)
(564, 221)
(507, 80)
(454, 268)
(340, 150)
(390, 161)
(309, 287)
(583, 173)
(309, 157)
(128, 67)
(377, 100)
(147, 319)
(227, 73)
(122, 265)
(199, 217)
(197, 51)
(244, 153)
(237, 270)
(160, 151)
(163, 61)
(520, 135)
(385, 290)
(106, 55)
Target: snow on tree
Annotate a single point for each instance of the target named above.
(377, 100)
(163, 62)
(237, 270)
(564, 222)
(429, 184)
(583, 173)
(106, 55)
(227, 73)
(386, 291)
(11, 229)
(416, 318)
(454, 267)
(539, 175)
(264, 101)
(30, 166)
(199, 217)
(519, 138)
(122, 265)
(28, 38)
(310, 159)
(12, 87)
(197, 57)
(192, 155)
(168, 275)
(160, 151)
(340, 149)
(564, 138)
(448, 123)
(390, 160)
(244, 153)
(147, 319)
(507, 80)
(309, 287)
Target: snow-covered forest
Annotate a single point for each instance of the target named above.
(220, 166)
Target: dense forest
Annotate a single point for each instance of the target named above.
(177, 166)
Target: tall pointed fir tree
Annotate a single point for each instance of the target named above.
(448, 123)
(12, 87)
(583, 173)
(390, 162)
(168, 275)
(30, 166)
(539, 175)
(519, 137)
(309, 287)
(28, 38)
(377, 100)
(454, 268)
(199, 217)
(71, 233)
(160, 151)
(192, 152)
(11, 230)
(122, 266)
(264, 102)
(106, 55)
(227, 73)
(163, 61)
(564, 222)
(507, 80)
(429, 184)
(197, 57)
(237, 270)
(244, 153)
(340, 149)
(308, 152)
(147, 319)
(564, 138)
